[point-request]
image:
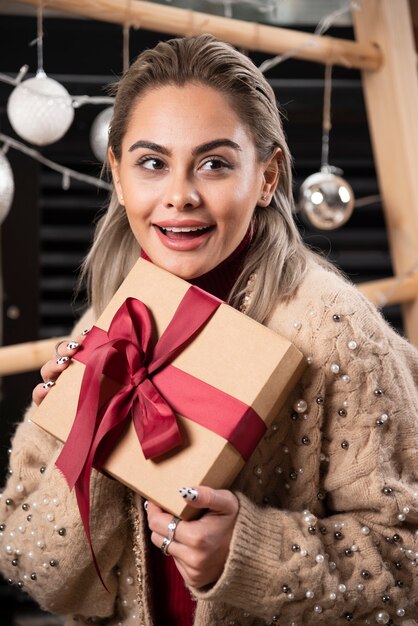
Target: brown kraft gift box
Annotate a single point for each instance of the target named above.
(232, 353)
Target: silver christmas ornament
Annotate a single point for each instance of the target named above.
(7, 187)
(40, 110)
(99, 134)
(326, 200)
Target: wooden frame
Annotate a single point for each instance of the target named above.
(391, 94)
(251, 35)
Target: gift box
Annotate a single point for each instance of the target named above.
(225, 383)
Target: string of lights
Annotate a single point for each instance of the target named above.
(67, 173)
(322, 27)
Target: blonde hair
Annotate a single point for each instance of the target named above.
(277, 254)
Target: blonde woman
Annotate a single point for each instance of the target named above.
(320, 526)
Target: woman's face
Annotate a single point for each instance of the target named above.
(189, 178)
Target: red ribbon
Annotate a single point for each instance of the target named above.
(151, 391)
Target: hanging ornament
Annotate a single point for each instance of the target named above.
(99, 134)
(40, 110)
(326, 200)
(7, 186)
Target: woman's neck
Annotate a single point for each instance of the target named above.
(220, 280)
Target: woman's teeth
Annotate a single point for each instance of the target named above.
(183, 229)
(184, 232)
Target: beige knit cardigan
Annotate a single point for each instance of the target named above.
(327, 527)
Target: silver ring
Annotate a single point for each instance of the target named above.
(171, 528)
(164, 546)
(57, 345)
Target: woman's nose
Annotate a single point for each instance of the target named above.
(181, 193)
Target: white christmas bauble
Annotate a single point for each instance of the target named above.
(326, 200)
(99, 134)
(7, 187)
(40, 110)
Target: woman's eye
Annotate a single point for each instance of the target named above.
(214, 164)
(151, 163)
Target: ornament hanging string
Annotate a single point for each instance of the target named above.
(126, 31)
(40, 40)
(126, 35)
(326, 117)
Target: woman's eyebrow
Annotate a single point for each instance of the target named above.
(155, 147)
(216, 143)
(202, 148)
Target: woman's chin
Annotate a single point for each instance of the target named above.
(186, 272)
(185, 265)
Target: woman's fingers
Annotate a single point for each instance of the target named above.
(65, 350)
(216, 502)
(219, 501)
(40, 391)
(53, 368)
(201, 546)
(158, 521)
(80, 338)
(175, 549)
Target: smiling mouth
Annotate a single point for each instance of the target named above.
(184, 232)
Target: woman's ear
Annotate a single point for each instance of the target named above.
(114, 166)
(271, 177)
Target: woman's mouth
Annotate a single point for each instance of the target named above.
(184, 232)
(183, 238)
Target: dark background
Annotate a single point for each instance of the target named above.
(48, 230)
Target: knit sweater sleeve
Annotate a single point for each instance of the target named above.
(42, 542)
(352, 556)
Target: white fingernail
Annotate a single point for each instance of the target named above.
(188, 493)
(48, 384)
(72, 345)
(85, 331)
(62, 360)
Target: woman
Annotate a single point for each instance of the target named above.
(320, 526)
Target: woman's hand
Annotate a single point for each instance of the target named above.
(199, 548)
(53, 368)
